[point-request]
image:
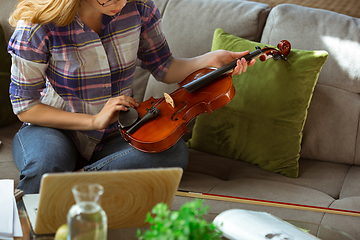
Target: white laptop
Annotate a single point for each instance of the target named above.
(128, 196)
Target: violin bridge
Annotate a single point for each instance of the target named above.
(169, 100)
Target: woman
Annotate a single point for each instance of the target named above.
(73, 66)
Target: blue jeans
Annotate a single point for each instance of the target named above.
(38, 150)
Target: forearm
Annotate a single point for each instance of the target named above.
(47, 116)
(183, 67)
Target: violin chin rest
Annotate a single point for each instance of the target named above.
(127, 118)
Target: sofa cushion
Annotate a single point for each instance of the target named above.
(189, 26)
(6, 113)
(263, 123)
(5, 10)
(350, 184)
(335, 33)
(341, 179)
(192, 35)
(8, 169)
(347, 224)
(332, 127)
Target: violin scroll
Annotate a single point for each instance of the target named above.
(283, 50)
(262, 53)
(284, 47)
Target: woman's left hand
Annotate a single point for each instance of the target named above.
(223, 57)
(181, 67)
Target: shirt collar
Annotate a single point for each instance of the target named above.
(105, 20)
(78, 20)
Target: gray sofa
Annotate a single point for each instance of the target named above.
(329, 166)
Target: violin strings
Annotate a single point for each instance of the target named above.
(162, 99)
(158, 102)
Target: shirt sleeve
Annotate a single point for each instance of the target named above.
(28, 48)
(154, 51)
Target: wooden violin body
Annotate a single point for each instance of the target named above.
(163, 131)
(160, 123)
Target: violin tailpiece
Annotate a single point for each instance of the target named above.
(151, 113)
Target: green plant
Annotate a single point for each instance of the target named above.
(186, 224)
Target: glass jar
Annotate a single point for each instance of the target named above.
(86, 219)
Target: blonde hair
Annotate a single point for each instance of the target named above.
(59, 12)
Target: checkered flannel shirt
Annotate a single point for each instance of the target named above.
(73, 69)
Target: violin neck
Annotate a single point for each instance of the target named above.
(202, 81)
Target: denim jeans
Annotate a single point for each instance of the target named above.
(38, 150)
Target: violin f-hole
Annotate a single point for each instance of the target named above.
(173, 116)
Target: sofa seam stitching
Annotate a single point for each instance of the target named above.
(215, 186)
(324, 214)
(342, 185)
(356, 139)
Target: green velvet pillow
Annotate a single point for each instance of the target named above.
(6, 114)
(263, 123)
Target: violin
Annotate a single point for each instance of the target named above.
(157, 124)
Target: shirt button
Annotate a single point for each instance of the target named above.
(102, 57)
(107, 85)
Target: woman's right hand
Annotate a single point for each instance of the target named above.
(109, 113)
(47, 116)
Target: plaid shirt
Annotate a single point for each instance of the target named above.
(73, 69)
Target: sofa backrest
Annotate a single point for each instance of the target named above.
(184, 18)
(189, 26)
(332, 127)
(6, 8)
